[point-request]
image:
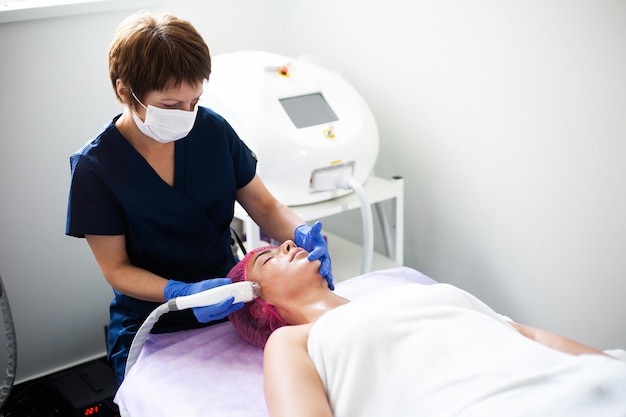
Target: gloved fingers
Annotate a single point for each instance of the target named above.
(216, 282)
(215, 311)
(316, 230)
(329, 280)
(300, 235)
(318, 253)
(235, 307)
(311, 239)
(325, 267)
(207, 284)
(175, 289)
(326, 272)
(232, 309)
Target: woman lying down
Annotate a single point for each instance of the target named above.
(412, 350)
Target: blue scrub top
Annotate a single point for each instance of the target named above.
(180, 232)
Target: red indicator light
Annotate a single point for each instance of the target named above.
(92, 411)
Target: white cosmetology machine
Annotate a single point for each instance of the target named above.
(306, 124)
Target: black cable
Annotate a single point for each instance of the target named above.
(239, 242)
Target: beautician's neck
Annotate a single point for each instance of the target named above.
(143, 144)
(311, 307)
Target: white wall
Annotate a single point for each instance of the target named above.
(508, 121)
(503, 117)
(54, 97)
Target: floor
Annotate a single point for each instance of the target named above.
(43, 398)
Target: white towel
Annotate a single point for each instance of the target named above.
(433, 351)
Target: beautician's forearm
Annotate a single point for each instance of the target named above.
(277, 220)
(111, 256)
(282, 223)
(138, 283)
(272, 216)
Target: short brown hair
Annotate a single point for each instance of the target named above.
(153, 53)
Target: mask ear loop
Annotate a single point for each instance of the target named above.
(135, 97)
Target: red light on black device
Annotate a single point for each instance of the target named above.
(94, 410)
(86, 391)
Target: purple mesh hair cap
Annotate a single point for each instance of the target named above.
(256, 321)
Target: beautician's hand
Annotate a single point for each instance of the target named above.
(204, 314)
(310, 238)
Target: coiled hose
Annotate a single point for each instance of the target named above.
(9, 332)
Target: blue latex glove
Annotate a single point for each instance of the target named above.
(204, 314)
(310, 238)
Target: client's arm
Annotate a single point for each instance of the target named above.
(555, 341)
(292, 385)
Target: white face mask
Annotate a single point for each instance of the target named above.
(165, 125)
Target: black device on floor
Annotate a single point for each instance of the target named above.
(86, 391)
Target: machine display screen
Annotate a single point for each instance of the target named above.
(308, 110)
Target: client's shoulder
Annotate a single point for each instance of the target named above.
(291, 336)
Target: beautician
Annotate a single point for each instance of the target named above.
(154, 192)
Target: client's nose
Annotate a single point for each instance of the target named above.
(287, 246)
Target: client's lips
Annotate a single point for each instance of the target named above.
(294, 253)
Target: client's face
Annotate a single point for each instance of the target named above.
(283, 271)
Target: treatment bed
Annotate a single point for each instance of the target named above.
(213, 372)
(226, 371)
